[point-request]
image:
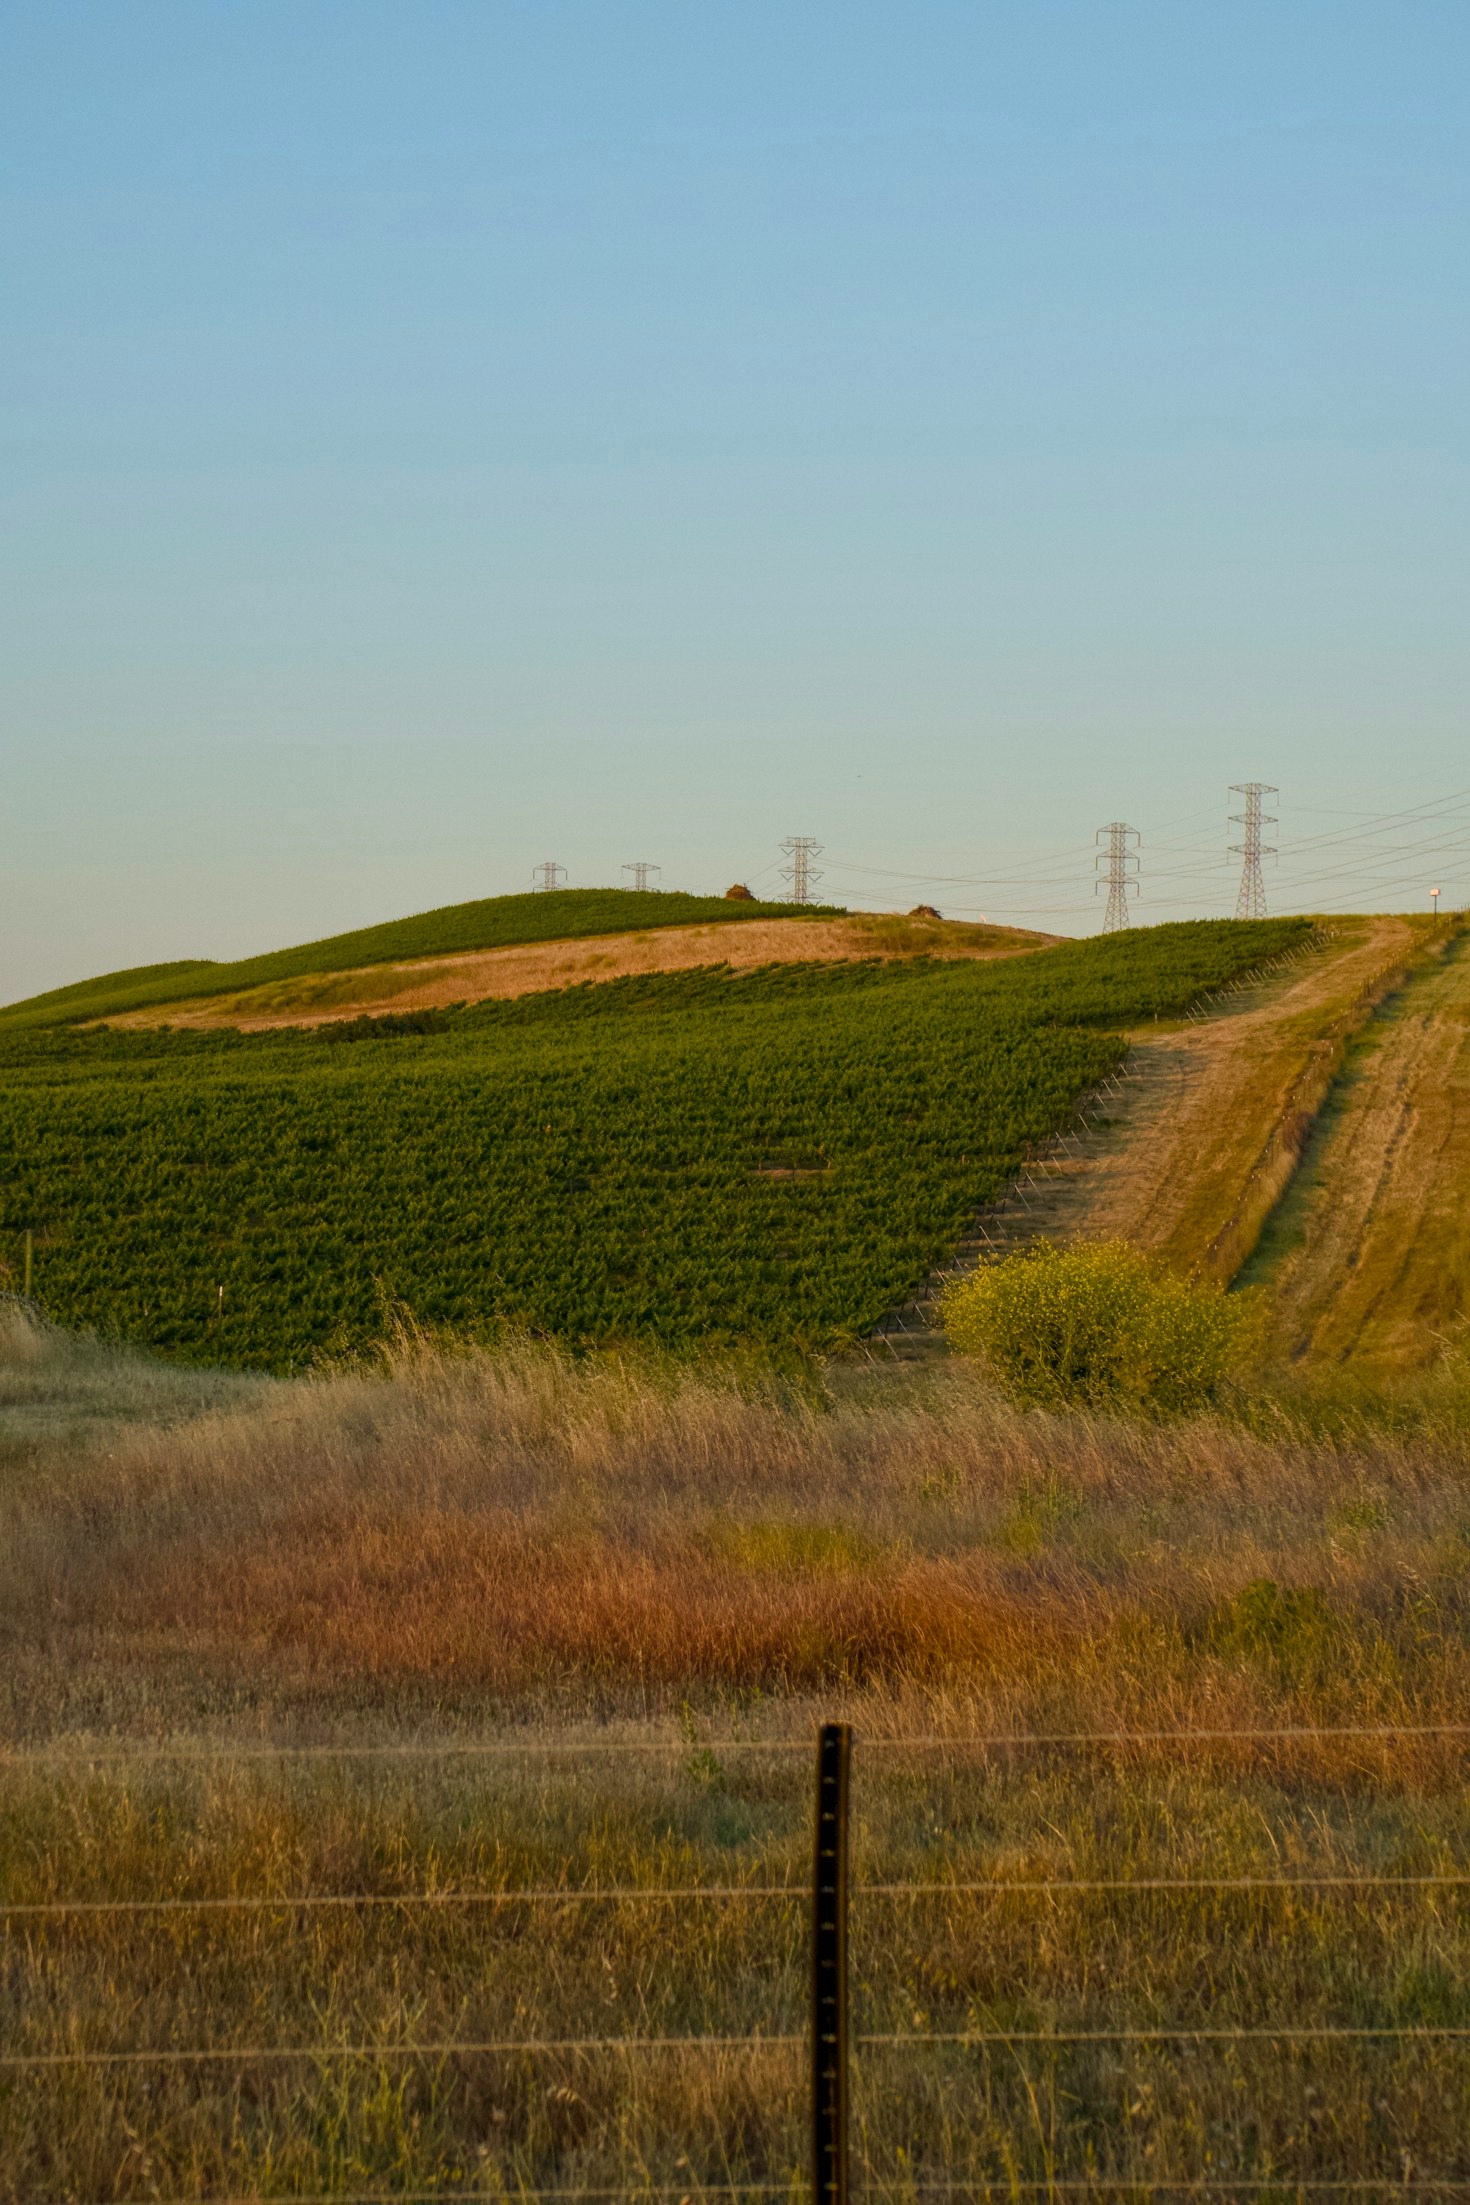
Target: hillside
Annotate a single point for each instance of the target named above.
(776, 1155)
(530, 968)
(562, 914)
(1308, 1135)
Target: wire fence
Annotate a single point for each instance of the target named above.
(141, 1751)
(304, 1902)
(1001, 2187)
(387, 2050)
(830, 2044)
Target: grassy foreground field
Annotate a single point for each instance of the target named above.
(417, 1640)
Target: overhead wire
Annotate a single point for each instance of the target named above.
(1355, 853)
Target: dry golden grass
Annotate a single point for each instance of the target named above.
(522, 1551)
(482, 975)
(511, 1532)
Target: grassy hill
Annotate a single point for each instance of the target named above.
(486, 1681)
(777, 1155)
(496, 922)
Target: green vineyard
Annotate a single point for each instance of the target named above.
(703, 1156)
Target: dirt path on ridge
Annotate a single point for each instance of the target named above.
(1173, 1165)
(1369, 1255)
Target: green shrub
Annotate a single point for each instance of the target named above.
(1289, 1627)
(1098, 1323)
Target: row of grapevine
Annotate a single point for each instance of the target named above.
(775, 1156)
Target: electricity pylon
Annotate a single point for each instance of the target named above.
(640, 870)
(1251, 901)
(801, 872)
(1122, 875)
(550, 873)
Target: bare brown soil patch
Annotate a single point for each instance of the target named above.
(498, 974)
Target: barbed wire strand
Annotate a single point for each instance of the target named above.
(171, 2055)
(550, 1749)
(1108, 2185)
(691, 2186)
(903, 2183)
(1290, 2033)
(637, 1894)
(181, 2055)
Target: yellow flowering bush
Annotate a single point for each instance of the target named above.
(1099, 1323)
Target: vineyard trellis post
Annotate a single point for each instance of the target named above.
(829, 1968)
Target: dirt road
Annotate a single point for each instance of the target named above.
(1189, 1149)
(1368, 1256)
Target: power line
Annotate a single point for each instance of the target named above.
(801, 872)
(1122, 876)
(1354, 850)
(550, 874)
(1251, 901)
(640, 870)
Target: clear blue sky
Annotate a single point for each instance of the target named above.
(441, 436)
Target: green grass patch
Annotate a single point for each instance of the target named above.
(797, 1549)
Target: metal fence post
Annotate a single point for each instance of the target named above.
(829, 1967)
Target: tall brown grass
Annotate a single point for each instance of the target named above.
(510, 1533)
(528, 1550)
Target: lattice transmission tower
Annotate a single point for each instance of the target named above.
(801, 872)
(1122, 874)
(547, 874)
(640, 870)
(1251, 901)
